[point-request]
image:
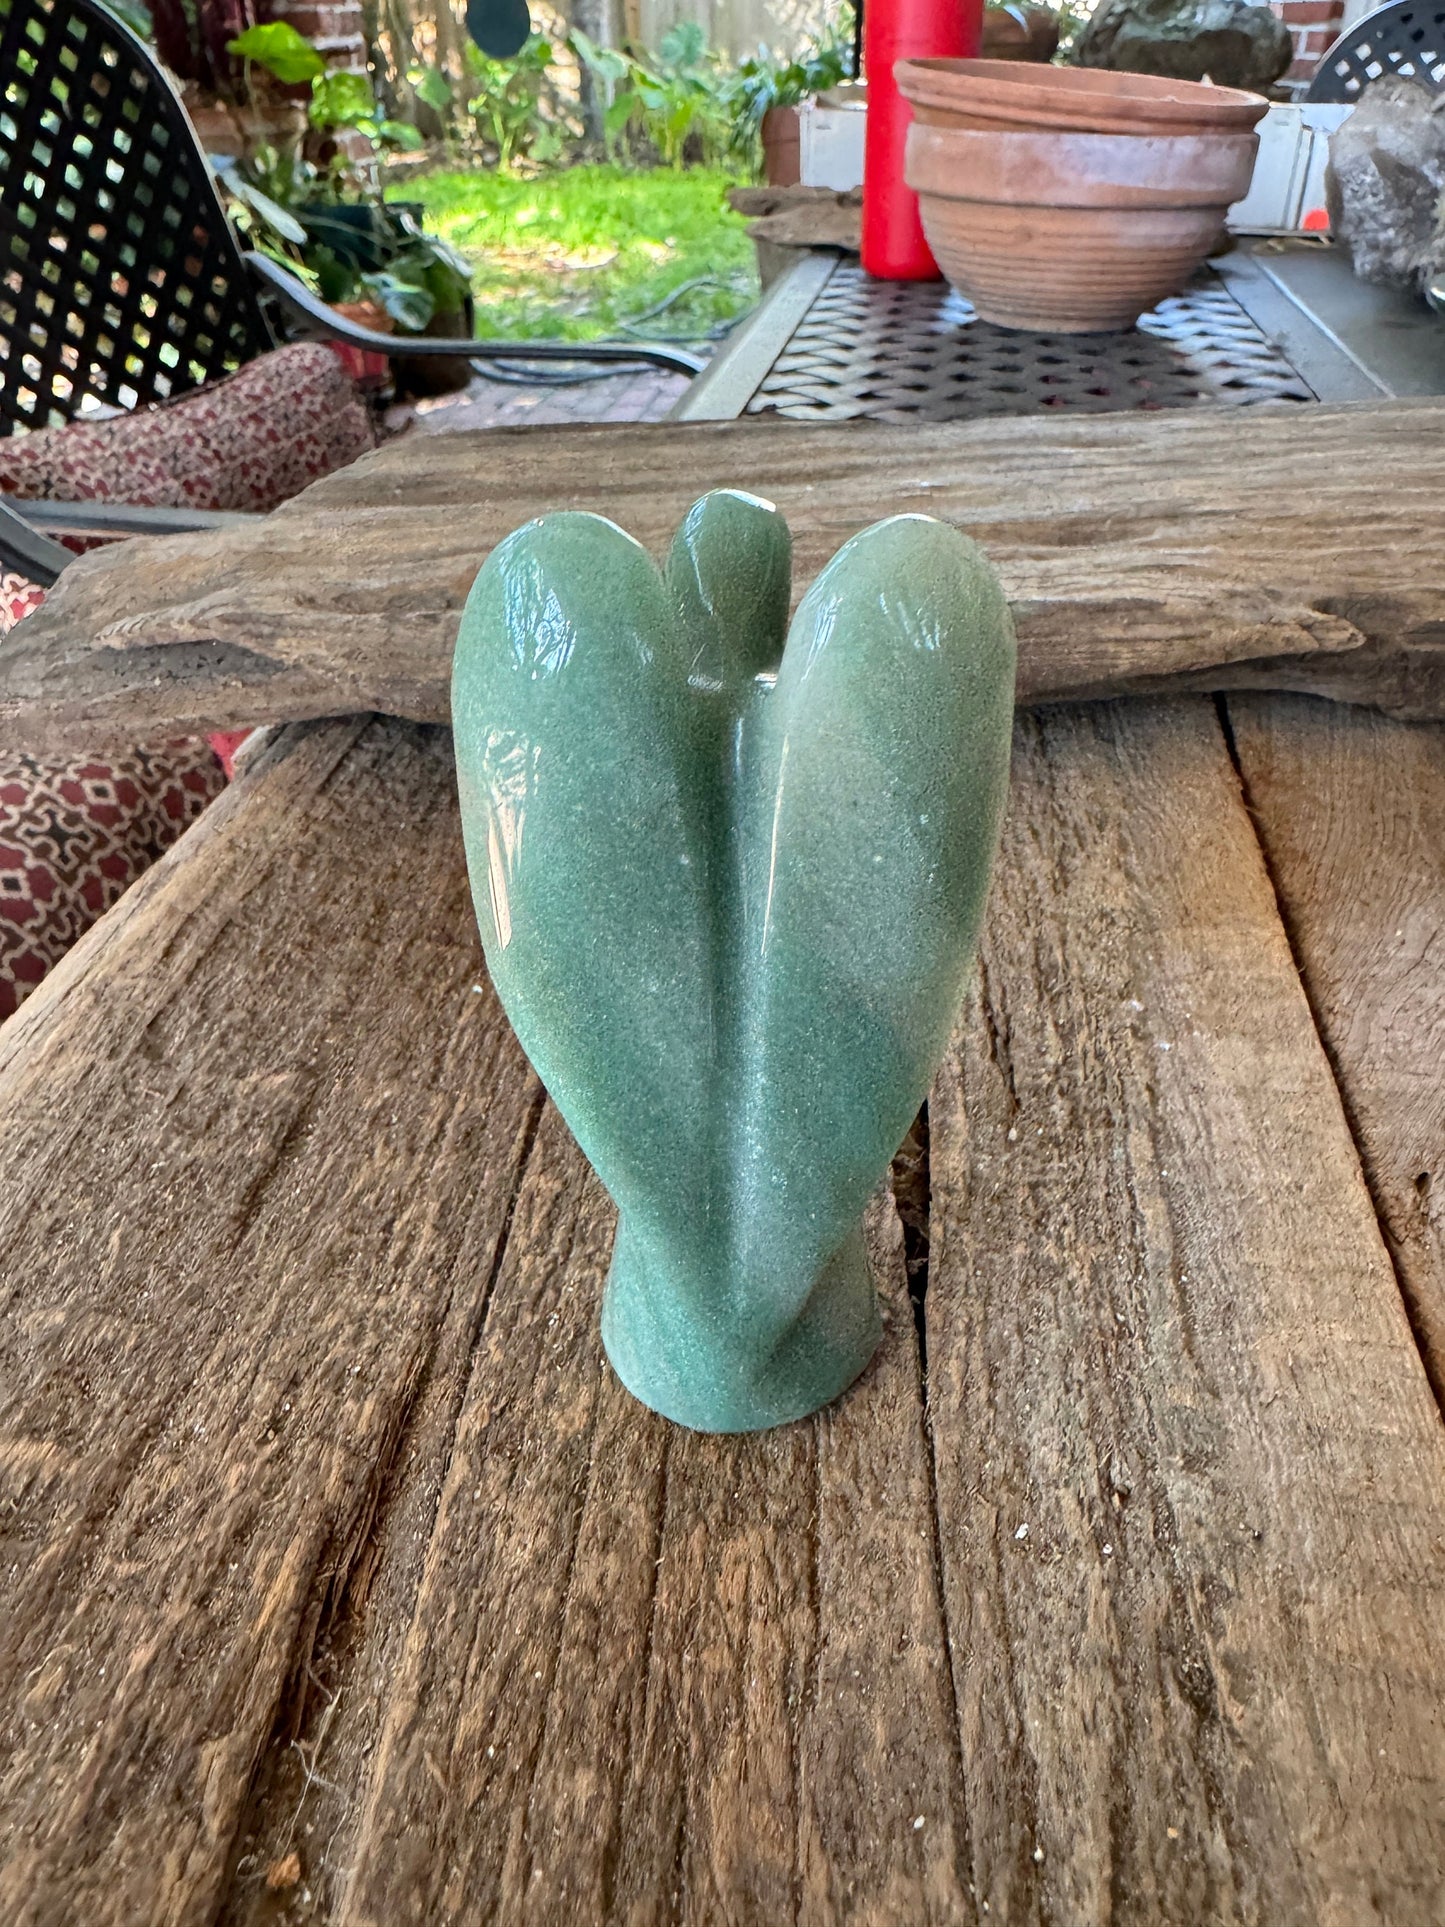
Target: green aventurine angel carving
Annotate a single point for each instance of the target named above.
(729, 894)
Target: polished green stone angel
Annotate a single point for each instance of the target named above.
(729, 893)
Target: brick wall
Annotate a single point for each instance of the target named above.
(1313, 26)
(335, 27)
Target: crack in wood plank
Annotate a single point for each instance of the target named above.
(1350, 814)
(711, 1611)
(1164, 1339)
(190, 1423)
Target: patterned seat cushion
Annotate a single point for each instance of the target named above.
(73, 838)
(75, 835)
(249, 442)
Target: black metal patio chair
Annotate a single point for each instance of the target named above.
(122, 280)
(1405, 38)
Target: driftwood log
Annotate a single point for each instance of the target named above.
(342, 1583)
(1295, 549)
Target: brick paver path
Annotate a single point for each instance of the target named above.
(643, 395)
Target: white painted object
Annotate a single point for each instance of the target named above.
(1289, 175)
(830, 138)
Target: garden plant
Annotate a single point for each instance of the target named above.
(446, 189)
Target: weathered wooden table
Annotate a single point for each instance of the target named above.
(339, 1580)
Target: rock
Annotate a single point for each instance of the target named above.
(1384, 183)
(1229, 42)
(784, 958)
(1012, 32)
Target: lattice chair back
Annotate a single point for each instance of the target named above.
(121, 280)
(1405, 38)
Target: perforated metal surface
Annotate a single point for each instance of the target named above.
(894, 351)
(119, 277)
(1403, 38)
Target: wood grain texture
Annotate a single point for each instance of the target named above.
(407, 1613)
(1190, 548)
(224, 1265)
(1350, 809)
(1190, 1475)
(653, 1676)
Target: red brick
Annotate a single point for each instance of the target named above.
(318, 20)
(321, 20)
(1310, 13)
(335, 26)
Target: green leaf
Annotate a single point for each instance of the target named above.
(282, 51)
(400, 133)
(409, 306)
(619, 114)
(606, 62)
(448, 257)
(431, 87)
(306, 276)
(684, 45)
(431, 265)
(341, 100)
(271, 212)
(336, 280)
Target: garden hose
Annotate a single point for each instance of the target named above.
(548, 374)
(517, 372)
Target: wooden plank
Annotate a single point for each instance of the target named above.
(1190, 1475)
(260, 1136)
(1188, 548)
(1259, 1471)
(652, 1676)
(1350, 809)
(641, 1663)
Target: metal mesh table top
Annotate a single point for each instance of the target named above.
(894, 351)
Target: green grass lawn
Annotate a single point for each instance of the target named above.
(582, 251)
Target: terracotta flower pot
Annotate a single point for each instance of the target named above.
(782, 147)
(1007, 96)
(1072, 233)
(436, 374)
(366, 366)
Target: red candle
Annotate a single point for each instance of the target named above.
(893, 245)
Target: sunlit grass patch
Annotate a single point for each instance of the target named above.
(584, 251)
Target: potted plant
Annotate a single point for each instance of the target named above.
(314, 202)
(767, 94)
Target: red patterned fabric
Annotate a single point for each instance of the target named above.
(18, 596)
(249, 442)
(226, 743)
(74, 836)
